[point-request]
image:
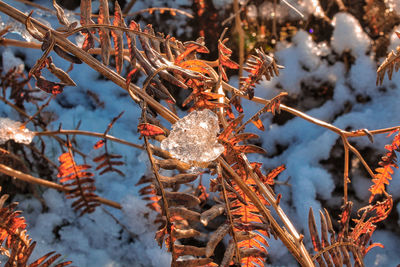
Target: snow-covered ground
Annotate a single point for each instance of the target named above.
(97, 240)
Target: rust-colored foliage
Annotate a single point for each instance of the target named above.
(104, 34)
(86, 19)
(118, 37)
(107, 162)
(184, 205)
(232, 149)
(16, 244)
(258, 66)
(384, 173)
(224, 60)
(355, 241)
(48, 44)
(149, 193)
(147, 129)
(248, 222)
(78, 182)
(390, 64)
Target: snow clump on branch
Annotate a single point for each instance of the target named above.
(10, 129)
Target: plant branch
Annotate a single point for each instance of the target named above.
(301, 255)
(87, 133)
(240, 32)
(346, 169)
(228, 212)
(164, 198)
(39, 181)
(68, 46)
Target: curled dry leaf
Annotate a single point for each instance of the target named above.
(182, 178)
(212, 213)
(105, 42)
(215, 238)
(181, 199)
(60, 14)
(32, 29)
(147, 129)
(118, 37)
(184, 213)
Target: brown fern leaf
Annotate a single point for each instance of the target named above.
(384, 173)
(248, 220)
(333, 252)
(62, 19)
(183, 213)
(131, 38)
(86, 19)
(390, 64)
(258, 66)
(224, 54)
(318, 245)
(355, 241)
(233, 151)
(12, 227)
(108, 161)
(149, 193)
(118, 37)
(366, 225)
(273, 106)
(48, 260)
(15, 243)
(105, 42)
(79, 183)
(191, 48)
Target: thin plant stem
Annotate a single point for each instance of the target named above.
(39, 110)
(39, 181)
(164, 198)
(346, 169)
(240, 32)
(301, 255)
(87, 133)
(229, 214)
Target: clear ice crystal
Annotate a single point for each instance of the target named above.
(20, 29)
(194, 138)
(10, 129)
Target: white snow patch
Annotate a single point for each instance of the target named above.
(348, 35)
(14, 130)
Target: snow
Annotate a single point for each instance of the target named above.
(10, 61)
(97, 240)
(14, 130)
(348, 35)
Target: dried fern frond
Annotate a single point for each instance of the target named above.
(388, 164)
(258, 65)
(390, 64)
(16, 244)
(79, 183)
(107, 162)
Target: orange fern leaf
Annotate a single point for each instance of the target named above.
(384, 173)
(79, 183)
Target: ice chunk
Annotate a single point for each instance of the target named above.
(10, 129)
(194, 138)
(19, 28)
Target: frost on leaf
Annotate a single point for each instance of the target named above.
(194, 138)
(10, 129)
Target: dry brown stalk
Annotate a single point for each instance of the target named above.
(39, 181)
